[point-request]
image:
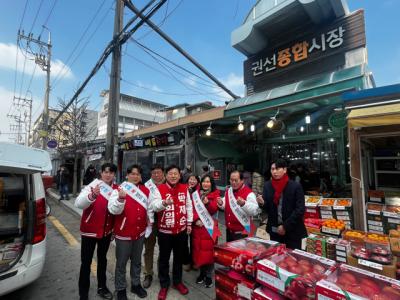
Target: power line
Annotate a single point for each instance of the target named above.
(48, 17)
(119, 39)
(23, 15)
(60, 74)
(37, 13)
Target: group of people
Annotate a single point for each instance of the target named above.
(172, 213)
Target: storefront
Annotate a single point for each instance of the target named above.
(374, 140)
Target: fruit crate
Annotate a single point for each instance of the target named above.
(294, 274)
(351, 283)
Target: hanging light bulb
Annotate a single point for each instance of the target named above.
(240, 125)
(252, 127)
(271, 123)
(301, 128)
(308, 119)
(283, 137)
(320, 128)
(209, 130)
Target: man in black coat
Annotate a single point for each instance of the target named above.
(283, 201)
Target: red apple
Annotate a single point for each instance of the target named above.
(392, 291)
(318, 269)
(282, 264)
(305, 268)
(347, 277)
(370, 286)
(296, 269)
(304, 262)
(382, 296)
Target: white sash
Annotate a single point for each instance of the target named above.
(153, 188)
(135, 193)
(239, 213)
(105, 189)
(203, 213)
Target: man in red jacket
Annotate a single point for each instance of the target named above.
(96, 228)
(240, 206)
(132, 218)
(174, 219)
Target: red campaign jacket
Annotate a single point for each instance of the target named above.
(174, 218)
(202, 243)
(132, 222)
(231, 222)
(96, 220)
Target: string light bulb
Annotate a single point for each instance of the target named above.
(240, 125)
(209, 130)
(252, 127)
(308, 119)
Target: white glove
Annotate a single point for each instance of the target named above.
(148, 231)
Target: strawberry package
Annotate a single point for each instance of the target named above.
(237, 285)
(294, 273)
(264, 293)
(351, 283)
(242, 255)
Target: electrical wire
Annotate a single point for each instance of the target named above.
(60, 74)
(23, 15)
(48, 16)
(37, 13)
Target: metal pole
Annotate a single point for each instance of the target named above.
(114, 94)
(47, 96)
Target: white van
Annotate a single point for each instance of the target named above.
(22, 215)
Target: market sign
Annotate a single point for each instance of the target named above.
(161, 140)
(216, 174)
(304, 52)
(338, 120)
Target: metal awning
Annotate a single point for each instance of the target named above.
(214, 148)
(375, 116)
(319, 90)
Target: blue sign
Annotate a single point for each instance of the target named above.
(52, 144)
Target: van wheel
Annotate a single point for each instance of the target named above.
(48, 209)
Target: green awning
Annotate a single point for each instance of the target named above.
(212, 149)
(326, 88)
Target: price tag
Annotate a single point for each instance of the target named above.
(339, 207)
(330, 230)
(370, 264)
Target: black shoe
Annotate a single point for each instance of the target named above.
(200, 279)
(139, 291)
(147, 281)
(84, 298)
(121, 295)
(104, 293)
(208, 282)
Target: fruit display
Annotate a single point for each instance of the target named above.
(378, 238)
(392, 208)
(338, 249)
(354, 235)
(348, 282)
(374, 206)
(327, 201)
(317, 244)
(378, 254)
(313, 200)
(334, 224)
(294, 274)
(343, 202)
(238, 286)
(241, 255)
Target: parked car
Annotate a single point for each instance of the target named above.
(22, 215)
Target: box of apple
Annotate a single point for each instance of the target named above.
(237, 285)
(351, 283)
(294, 273)
(242, 255)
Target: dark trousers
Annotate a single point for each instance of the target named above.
(187, 256)
(232, 236)
(88, 244)
(167, 243)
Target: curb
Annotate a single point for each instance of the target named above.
(65, 203)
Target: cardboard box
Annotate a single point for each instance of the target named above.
(263, 293)
(242, 255)
(224, 295)
(349, 283)
(385, 270)
(293, 274)
(235, 284)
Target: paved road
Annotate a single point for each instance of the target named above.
(59, 279)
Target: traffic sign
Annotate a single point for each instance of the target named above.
(52, 144)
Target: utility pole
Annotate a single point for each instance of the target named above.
(44, 62)
(114, 93)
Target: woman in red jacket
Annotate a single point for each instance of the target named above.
(205, 230)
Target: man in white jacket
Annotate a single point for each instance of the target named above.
(132, 217)
(96, 228)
